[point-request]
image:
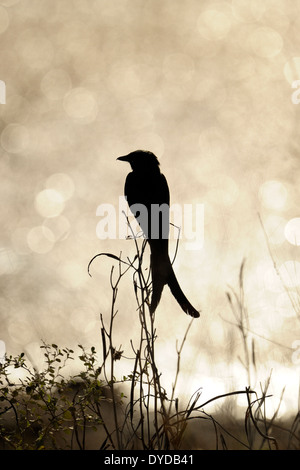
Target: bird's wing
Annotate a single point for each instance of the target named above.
(164, 191)
(130, 189)
(153, 190)
(147, 191)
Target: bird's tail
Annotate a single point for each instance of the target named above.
(179, 295)
(159, 273)
(162, 274)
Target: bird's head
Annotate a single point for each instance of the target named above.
(141, 161)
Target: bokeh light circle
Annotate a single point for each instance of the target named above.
(292, 231)
(49, 203)
(15, 138)
(214, 24)
(40, 239)
(62, 183)
(273, 195)
(80, 104)
(59, 226)
(266, 42)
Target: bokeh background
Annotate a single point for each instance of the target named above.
(206, 86)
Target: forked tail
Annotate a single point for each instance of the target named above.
(162, 274)
(180, 297)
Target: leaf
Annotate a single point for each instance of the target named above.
(67, 415)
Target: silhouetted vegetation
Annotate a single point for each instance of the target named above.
(45, 409)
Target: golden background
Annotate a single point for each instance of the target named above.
(206, 86)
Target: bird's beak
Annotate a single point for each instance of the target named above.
(123, 159)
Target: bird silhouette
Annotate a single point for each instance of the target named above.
(147, 193)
